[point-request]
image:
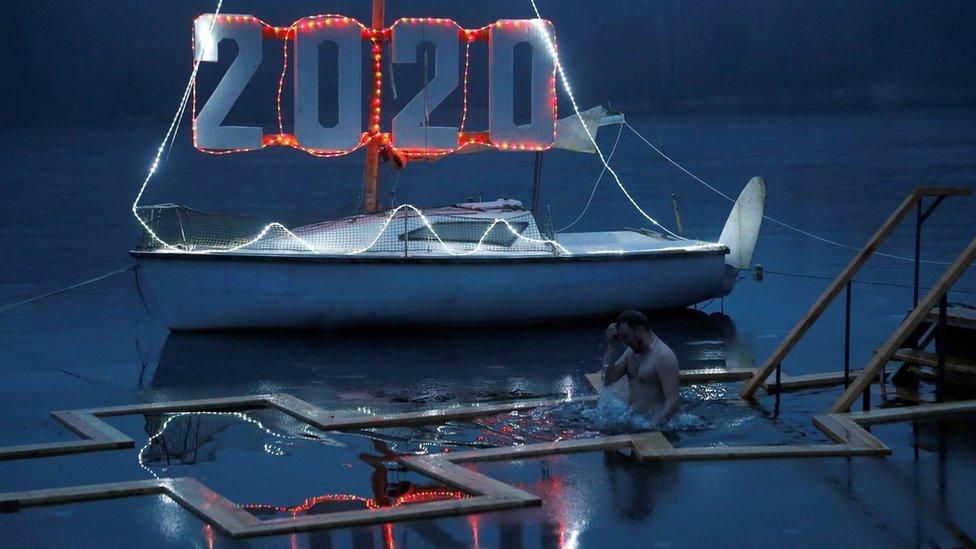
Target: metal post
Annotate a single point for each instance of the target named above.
(536, 182)
(918, 248)
(940, 348)
(779, 391)
(847, 338)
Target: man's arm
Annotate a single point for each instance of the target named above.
(667, 372)
(613, 372)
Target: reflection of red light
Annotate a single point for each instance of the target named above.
(417, 496)
(473, 521)
(208, 534)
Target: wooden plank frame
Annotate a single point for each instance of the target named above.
(487, 494)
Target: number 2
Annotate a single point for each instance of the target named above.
(411, 129)
(209, 133)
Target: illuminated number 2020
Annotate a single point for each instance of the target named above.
(410, 130)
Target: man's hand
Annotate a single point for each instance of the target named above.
(611, 333)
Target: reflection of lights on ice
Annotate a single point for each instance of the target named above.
(171, 519)
(268, 448)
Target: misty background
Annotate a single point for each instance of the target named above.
(112, 62)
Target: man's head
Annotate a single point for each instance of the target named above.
(633, 329)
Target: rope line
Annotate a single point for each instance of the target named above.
(564, 80)
(597, 184)
(773, 219)
(858, 281)
(116, 272)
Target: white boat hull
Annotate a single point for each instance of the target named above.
(208, 292)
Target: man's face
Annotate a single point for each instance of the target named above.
(631, 337)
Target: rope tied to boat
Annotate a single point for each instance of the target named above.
(98, 278)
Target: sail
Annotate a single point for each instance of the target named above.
(570, 134)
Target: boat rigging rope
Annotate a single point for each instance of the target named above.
(564, 80)
(769, 218)
(10, 306)
(597, 184)
(169, 138)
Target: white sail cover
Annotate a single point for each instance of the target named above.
(570, 134)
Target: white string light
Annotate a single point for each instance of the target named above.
(167, 142)
(170, 134)
(572, 99)
(239, 415)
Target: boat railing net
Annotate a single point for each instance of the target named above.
(403, 231)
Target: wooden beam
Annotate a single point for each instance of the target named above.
(200, 405)
(51, 449)
(414, 511)
(915, 356)
(75, 494)
(842, 430)
(544, 449)
(839, 283)
(912, 413)
(651, 445)
(690, 377)
(436, 416)
(943, 191)
(959, 317)
(832, 291)
(884, 354)
(768, 452)
(807, 381)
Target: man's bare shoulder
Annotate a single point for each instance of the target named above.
(667, 354)
(663, 358)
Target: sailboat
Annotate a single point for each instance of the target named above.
(469, 263)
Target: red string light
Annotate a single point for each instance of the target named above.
(419, 496)
(374, 132)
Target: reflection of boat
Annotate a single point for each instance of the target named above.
(472, 263)
(410, 366)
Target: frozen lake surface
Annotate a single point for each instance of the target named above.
(65, 196)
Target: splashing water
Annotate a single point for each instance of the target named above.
(610, 415)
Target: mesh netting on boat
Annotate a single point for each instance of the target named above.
(402, 231)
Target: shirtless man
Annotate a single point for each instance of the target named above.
(649, 364)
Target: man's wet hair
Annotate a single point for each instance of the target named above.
(634, 319)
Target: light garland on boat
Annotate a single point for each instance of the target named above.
(389, 219)
(376, 36)
(190, 85)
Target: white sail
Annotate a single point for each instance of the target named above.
(570, 134)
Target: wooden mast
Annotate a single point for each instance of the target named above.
(371, 173)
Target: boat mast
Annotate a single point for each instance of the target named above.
(371, 173)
